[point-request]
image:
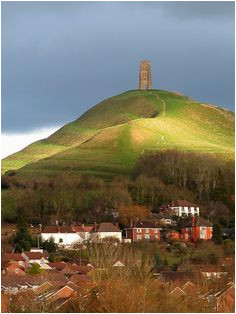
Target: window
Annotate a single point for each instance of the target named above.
(155, 230)
(17, 270)
(147, 236)
(60, 240)
(202, 236)
(139, 237)
(139, 230)
(203, 228)
(146, 230)
(156, 236)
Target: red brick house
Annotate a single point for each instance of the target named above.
(198, 229)
(143, 230)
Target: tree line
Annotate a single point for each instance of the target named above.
(157, 178)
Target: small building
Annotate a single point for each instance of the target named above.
(143, 230)
(180, 208)
(106, 230)
(35, 258)
(198, 229)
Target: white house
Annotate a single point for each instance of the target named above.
(105, 230)
(181, 208)
(62, 235)
(35, 258)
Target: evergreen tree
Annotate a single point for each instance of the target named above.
(23, 239)
(49, 246)
(217, 234)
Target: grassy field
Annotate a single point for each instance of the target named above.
(108, 139)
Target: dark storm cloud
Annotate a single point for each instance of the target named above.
(61, 58)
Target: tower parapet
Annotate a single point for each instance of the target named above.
(145, 79)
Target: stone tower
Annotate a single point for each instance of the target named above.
(145, 79)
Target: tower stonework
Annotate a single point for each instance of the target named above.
(145, 79)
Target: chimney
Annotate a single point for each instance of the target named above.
(117, 225)
(82, 225)
(192, 221)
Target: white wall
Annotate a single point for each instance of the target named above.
(68, 238)
(180, 211)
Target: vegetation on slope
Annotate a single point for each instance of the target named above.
(108, 139)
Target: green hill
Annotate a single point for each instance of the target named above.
(108, 138)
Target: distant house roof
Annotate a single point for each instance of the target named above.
(82, 228)
(118, 264)
(57, 265)
(80, 279)
(177, 292)
(177, 203)
(12, 257)
(106, 227)
(58, 229)
(16, 281)
(35, 255)
(144, 224)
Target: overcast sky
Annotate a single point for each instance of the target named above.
(61, 58)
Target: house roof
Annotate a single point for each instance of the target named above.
(73, 286)
(82, 228)
(190, 288)
(58, 229)
(177, 292)
(215, 292)
(13, 264)
(57, 265)
(36, 255)
(53, 275)
(15, 280)
(144, 224)
(118, 264)
(199, 222)
(69, 269)
(80, 279)
(12, 257)
(107, 227)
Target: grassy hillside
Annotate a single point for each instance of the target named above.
(108, 138)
